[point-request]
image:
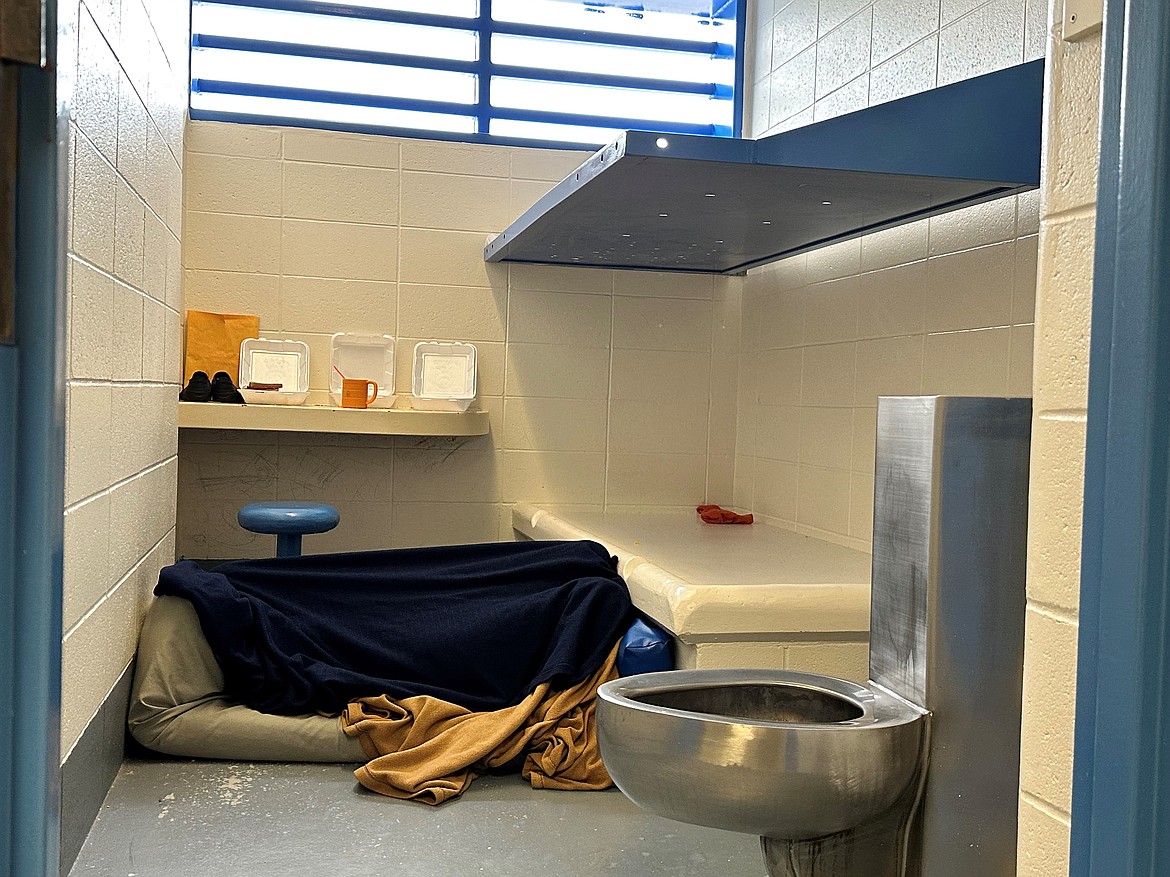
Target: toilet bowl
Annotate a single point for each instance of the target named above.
(776, 753)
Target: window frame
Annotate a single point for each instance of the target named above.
(484, 68)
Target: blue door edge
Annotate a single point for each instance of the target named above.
(38, 531)
(1121, 770)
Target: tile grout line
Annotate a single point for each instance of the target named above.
(1045, 807)
(1069, 214)
(1054, 612)
(66, 755)
(116, 587)
(122, 482)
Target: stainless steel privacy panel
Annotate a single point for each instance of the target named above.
(901, 545)
(950, 534)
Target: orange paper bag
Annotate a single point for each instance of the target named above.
(213, 342)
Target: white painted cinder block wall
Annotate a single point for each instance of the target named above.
(939, 306)
(1063, 310)
(123, 71)
(605, 388)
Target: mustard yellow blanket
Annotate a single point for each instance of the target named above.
(426, 749)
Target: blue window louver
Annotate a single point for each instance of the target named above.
(548, 72)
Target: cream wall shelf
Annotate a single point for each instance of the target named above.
(320, 418)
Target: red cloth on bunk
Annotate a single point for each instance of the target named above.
(714, 514)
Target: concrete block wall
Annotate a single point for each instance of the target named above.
(944, 305)
(815, 59)
(123, 74)
(603, 386)
(1063, 310)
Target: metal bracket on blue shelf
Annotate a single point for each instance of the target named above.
(679, 202)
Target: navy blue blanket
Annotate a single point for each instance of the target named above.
(476, 625)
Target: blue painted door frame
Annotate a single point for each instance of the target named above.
(32, 430)
(1121, 783)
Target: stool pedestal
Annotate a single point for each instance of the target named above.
(288, 544)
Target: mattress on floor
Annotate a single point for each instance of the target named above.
(480, 626)
(418, 748)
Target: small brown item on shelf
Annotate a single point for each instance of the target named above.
(257, 385)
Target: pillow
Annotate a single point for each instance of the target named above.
(644, 649)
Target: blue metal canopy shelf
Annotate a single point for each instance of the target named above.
(676, 202)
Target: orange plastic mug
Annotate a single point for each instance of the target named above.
(355, 393)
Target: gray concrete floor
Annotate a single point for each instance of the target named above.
(175, 818)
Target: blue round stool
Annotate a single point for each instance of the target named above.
(289, 521)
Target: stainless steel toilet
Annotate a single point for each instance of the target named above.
(914, 774)
(769, 752)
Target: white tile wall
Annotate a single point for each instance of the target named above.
(123, 73)
(600, 384)
(847, 54)
(899, 24)
(944, 305)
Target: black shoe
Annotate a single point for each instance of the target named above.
(198, 389)
(223, 390)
